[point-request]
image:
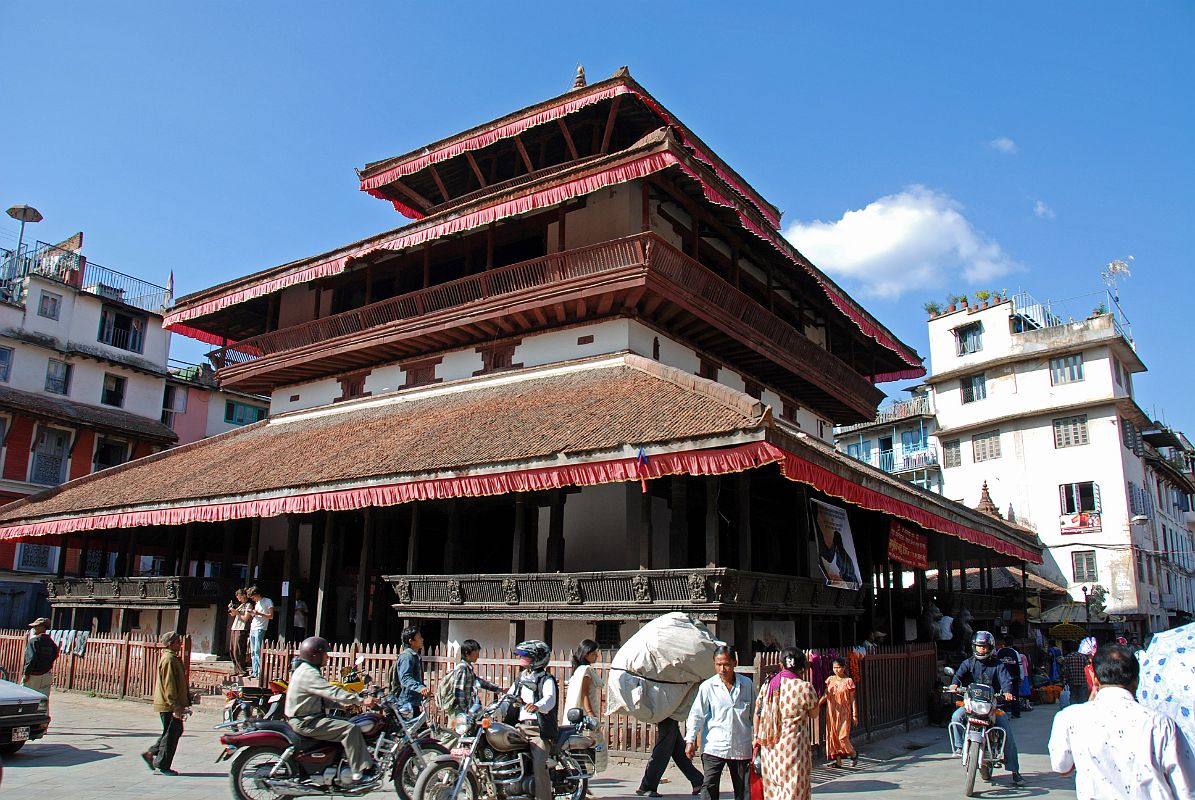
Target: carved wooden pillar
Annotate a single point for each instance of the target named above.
(678, 524)
(413, 540)
(324, 597)
(184, 567)
(554, 553)
(742, 493)
(639, 529)
(289, 574)
(364, 573)
(452, 543)
(519, 535)
(713, 554)
(254, 547)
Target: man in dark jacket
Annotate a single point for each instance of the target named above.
(40, 655)
(406, 678)
(983, 667)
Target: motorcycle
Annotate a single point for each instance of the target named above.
(978, 740)
(248, 703)
(270, 760)
(493, 758)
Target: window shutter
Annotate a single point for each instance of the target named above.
(1062, 499)
(1095, 489)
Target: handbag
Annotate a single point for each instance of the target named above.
(755, 778)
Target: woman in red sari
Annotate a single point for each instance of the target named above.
(842, 712)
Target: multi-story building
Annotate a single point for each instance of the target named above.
(1170, 561)
(195, 406)
(590, 383)
(898, 440)
(1042, 409)
(82, 371)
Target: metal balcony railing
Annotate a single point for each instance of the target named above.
(73, 269)
(895, 411)
(899, 460)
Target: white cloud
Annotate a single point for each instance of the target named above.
(1042, 211)
(1004, 145)
(916, 239)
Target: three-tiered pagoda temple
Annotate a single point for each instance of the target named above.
(589, 383)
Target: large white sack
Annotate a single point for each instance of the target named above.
(655, 675)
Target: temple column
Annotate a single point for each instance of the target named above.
(413, 540)
(713, 550)
(742, 493)
(254, 547)
(518, 538)
(324, 596)
(452, 543)
(554, 553)
(678, 524)
(364, 573)
(184, 567)
(288, 576)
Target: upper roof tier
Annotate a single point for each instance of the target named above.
(586, 121)
(664, 159)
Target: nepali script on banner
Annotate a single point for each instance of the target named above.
(835, 545)
(907, 547)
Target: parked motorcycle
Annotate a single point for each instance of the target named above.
(248, 703)
(493, 758)
(978, 740)
(270, 760)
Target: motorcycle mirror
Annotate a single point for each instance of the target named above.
(948, 671)
(360, 662)
(574, 715)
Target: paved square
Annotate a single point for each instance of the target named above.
(92, 753)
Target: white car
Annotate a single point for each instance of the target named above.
(24, 715)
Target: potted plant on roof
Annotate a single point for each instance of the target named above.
(963, 302)
(983, 295)
(952, 304)
(932, 308)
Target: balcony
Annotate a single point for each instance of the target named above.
(146, 592)
(900, 460)
(631, 594)
(640, 275)
(69, 267)
(919, 406)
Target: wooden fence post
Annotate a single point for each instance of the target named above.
(70, 673)
(124, 668)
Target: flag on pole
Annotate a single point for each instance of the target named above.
(641, 468)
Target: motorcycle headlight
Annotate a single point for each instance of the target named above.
(980, 707)
(461, 725)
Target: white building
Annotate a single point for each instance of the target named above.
(1042, 409)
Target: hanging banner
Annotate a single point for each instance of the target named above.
(907, 546)
(835, 545)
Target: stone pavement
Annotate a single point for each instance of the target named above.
(91, 753)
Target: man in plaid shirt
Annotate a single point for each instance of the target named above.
(465, 680)
(1072, 675)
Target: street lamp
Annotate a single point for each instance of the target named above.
(1087, 607)
(24, 214)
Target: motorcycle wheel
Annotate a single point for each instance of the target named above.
(971, 757)
(437, 782)
(253, 762)
(409, 767)
(577, 782)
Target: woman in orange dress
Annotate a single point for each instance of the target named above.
(842, 712)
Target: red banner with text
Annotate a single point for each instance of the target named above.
(907, 546)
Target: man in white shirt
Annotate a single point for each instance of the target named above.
(263, 612)
(722, 717)
(1121, 750)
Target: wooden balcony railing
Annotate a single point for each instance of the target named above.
(169, 590)
(526, 275)
(667, 270)
(619, 593)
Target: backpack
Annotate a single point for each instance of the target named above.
(446, 691)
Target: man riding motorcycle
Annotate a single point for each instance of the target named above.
(983, 667)
(536, 689)
(308, 698)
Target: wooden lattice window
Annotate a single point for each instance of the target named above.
(421, 373)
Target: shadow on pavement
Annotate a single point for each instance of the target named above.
(57, 755)
(847, 786)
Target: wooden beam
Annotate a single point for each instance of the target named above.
(519, 538)
(184, 567)
(254, 546)
(742, 486)
(712, 525)
(364, 576)
(476, 169)
(678, 525)
(523, 154)
(413, 540)
(413, 195)
(439, 183)
(610, 122)
(427, 265)
(568, 138)
(554, 556)
(452, 542)
(489, 246)
(645, 207)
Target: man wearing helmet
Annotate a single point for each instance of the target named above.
(536, 688)
(308, 698)
(983, 667)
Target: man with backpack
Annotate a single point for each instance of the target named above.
(40, 654)
(406, 677)
(457, 691)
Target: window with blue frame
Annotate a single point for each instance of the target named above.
(860, 450)
(912, 441)
(969, 338)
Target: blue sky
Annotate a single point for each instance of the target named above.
(1023, 147)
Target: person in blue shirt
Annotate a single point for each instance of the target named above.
(721, 717)
(983, 667)
(406, 680)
